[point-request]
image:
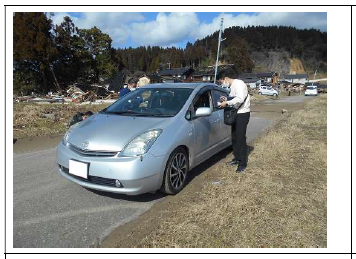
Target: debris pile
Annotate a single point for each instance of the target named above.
(75, 93)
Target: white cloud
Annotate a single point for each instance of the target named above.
(166, 30)
(114, 24)
(170, 29)
(58, 18)
(298, 20)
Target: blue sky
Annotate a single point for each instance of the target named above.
(129, 29)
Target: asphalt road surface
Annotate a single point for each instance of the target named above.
(50, 211)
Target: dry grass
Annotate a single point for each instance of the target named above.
(279, 202)
(29, 120)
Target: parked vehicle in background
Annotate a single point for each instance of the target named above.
(146, 141)
(267, 90)
(311, 91)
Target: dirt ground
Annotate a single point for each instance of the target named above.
(32, 120)
(33, 144)
(274, 110)
(131, 234)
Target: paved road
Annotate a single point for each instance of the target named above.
(289, 99)
(50, 211)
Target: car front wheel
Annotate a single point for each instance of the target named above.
(176, 171)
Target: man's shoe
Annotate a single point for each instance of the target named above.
(232, 162)
(241, 168)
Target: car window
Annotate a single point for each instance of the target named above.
(216, 97)
(151, 102)
(203, 100)
(269, 88)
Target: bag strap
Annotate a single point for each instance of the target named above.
(242, 103)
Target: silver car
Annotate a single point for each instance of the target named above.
(146, 141)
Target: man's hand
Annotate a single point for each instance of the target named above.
(223, 104)
(223, 98)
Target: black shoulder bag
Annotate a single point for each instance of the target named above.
(230, 114)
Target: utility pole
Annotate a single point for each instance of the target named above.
(314, 76)
(217, 55)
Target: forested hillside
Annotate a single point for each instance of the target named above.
(51, 57)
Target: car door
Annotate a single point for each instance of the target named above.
(205, 129)
(225, 130)
(263, 90)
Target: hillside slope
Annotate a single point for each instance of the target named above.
(279, 61)
(296, 66)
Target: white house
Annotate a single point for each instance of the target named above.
(296, 79)
(252, 83)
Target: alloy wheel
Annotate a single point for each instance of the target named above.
(178, 170)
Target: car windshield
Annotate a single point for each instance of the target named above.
(160, 102)
(311, 88)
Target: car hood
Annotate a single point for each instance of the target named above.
(107, 132)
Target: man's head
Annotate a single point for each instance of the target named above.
(224, 78)
(87, 114)
(132, 83)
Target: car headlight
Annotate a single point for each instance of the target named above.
(141, 144)
(69, 131)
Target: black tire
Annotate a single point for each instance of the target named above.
(275, 95)
(260, 93)
(175, 174)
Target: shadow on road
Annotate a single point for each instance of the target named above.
(147, 197)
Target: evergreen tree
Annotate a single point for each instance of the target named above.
(34, 51)
(70, 58)
(99, 64)
(239, 55)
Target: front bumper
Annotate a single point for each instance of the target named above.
(136, 175)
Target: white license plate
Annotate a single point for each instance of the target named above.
(78, 168)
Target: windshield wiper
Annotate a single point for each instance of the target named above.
(123, 112)
(160, 115)
(139, 114)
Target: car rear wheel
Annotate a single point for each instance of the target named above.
(260, 93)
(176, 171)
(275, 95)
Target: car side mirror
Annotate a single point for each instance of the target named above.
(203, 112)
(188, 115)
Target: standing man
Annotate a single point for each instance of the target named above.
(132, 84)
(240, 100)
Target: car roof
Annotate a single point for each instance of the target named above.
(179, 85)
